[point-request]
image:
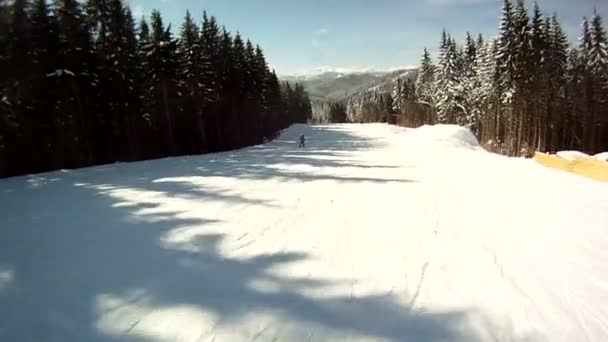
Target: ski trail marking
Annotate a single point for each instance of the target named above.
(417, 293)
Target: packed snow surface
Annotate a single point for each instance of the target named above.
(372, 232)
(443, 135)
(572, 155)
(602, 156)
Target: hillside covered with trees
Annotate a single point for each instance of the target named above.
(527, 90)
(85, 83)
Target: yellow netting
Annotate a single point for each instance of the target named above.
(588, 167)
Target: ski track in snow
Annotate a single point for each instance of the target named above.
(371, 233)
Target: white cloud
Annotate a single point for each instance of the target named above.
(322, 31)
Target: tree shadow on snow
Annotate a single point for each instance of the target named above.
(90, 266)
(330, 155)
(80, 274)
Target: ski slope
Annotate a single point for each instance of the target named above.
(371, 233)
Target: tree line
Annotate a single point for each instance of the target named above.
(326, 112)
(84, 83)
(526, 90)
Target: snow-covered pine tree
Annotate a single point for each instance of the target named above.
(598, 51)
(519, 122)
(505, 67)
(425, 84)
(448, 86)
(469, 83)
(396, 96)
(485, 94)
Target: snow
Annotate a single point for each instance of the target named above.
(602, 156)
(372, 232)
(443, 135)
(572, 155)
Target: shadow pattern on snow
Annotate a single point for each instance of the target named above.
(68, 245)
(329, 147)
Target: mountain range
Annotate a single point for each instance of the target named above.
(337, 85)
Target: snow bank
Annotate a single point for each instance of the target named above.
(572, 155)
(450, 135)
(576, 155)
(602, 156)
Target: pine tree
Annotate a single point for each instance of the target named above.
(251, 106)
(538, 78)
(396, 96)
(161, 73)
(598, 51)
(210, 69)
(598, 67)
(480, 43)
(556, 66)
(519, 122)
(448, 86)
(506, 50)
(469, 79)
(470, 49)
(116, 50)
(260, 73)
(44, 47)
(77, 133)
(191, 127)
(486, 95)
(585, 44)
(574, 102)
(228, 90)
(143, 43)
(17, 94)
(7, 121)
(426, 79)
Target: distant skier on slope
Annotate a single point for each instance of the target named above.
(302, 141)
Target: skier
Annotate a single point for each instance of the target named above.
(302, 141)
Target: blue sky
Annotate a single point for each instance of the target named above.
(302, 35)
